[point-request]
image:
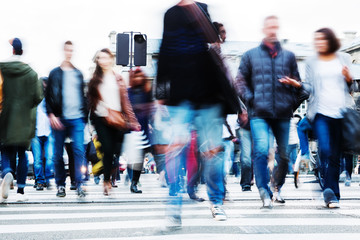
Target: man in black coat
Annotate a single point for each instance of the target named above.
(266, 84)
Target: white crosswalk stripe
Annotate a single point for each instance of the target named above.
(142, 216)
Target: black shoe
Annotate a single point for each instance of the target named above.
(133, 188)
(193, 196)
(35, 185)
(113, 184)
(246, 188)
(73, 187)
(61, 192)
(40, 187)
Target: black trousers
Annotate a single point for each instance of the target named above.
(111, 141)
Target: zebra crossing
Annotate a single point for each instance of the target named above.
(142, 216)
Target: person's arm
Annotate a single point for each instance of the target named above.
(243, 81)
(54, 121)
(294, 78)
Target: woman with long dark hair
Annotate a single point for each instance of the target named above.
(329, 77)
(107, 93)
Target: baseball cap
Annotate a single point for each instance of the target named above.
(17, 45)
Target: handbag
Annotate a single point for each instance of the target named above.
(117, 119)
(351, 131)
(301, 95)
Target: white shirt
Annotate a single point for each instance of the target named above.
(42, 121)
(293, 135)
(332, 94)
(232, 121)
(110, 96)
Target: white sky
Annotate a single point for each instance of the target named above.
(44, 25)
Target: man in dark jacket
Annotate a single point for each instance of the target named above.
(261, 80)
(66, 108)
(22, 92)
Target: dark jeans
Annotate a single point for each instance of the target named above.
(328, 133)
(74, 128)
(260, 131)
(111, 140)
(8, 156)
(347, 163)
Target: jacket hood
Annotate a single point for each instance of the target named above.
(14, 68)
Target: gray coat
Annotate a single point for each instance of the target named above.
(313, 79)
(258, 83)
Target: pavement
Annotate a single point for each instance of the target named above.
(124, 215)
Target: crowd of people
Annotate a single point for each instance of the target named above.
(194, 118)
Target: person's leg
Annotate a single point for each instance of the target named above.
(59, 166)
(260, 131)
(280, 129)
(179, 136)
(36, 148)
(70, 152)
(333, 171)
(209, 126)
(7, 152)
(303, 127)
(292, 157)
(245, 159)
(22, 168)
(349, 159)
(77, 135)
(105, 136)
(49, 163)
(322, 126)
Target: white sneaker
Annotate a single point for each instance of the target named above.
(5, 185)
(218, 213)
(21, 197)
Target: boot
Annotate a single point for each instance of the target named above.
(134, 182)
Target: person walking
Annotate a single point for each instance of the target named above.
(270, 103)
(67, 110)
(188, 87)
(108, 94)
(328, 73)
(42, 147)
(21, 93)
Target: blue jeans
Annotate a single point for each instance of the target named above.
(328, 133)
(245, 157)
(74, 128)
(260, 130)
(303, 127)
(208, 121)
(229, 155)
(41, 146)
(8, 155)
(292, 157)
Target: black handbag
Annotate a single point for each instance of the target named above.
(351, 131)
(301, 95)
